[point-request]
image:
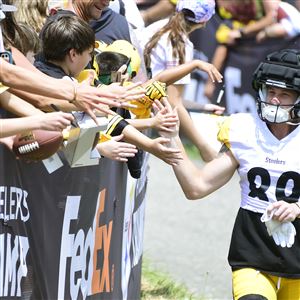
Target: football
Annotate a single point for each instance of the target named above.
(37, 144)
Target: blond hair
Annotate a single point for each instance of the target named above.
(178, 29)
(32, 12)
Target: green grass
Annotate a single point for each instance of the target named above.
(192, 151)
(159, 286)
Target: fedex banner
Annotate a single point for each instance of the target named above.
(62, 233)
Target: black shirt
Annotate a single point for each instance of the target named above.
(110, 27)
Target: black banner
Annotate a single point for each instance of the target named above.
(62, 233)
(241, 62)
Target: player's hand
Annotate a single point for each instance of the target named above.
(283, 233)
(284, 211)
(160, 148)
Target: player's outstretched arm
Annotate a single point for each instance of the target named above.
(187, 126)
(197, 183)
(158, 147)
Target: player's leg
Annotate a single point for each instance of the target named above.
(289, 289)
(250, 284)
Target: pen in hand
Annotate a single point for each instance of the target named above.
(73, 123)
(220, 95)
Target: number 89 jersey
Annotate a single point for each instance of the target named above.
(269, 171)
(269, 168)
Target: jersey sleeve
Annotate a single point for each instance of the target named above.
(223, 134)
(116, 125)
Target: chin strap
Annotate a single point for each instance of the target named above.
(294, 123)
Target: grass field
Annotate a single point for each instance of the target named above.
(159, 286)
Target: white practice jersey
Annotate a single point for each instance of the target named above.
(269, 168)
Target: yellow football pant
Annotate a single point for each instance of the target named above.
(250, 281)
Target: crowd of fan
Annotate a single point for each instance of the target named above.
(125, 62)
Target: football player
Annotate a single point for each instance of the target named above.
(264, 251)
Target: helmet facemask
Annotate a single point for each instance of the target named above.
(280, 69)
(276, 113)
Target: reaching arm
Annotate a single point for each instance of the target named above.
(270, 8)
(161, 10)
(35, 119)
(207, 107)
(187, 126)
(141, 124)
(17, 105)
(169, 76)
(160, 121)
(19, 78)
(44, 102)
(84, 96)
(157, 147)
(117, 150)
(55, 121)
(218, 61)
(276, 30)
(197, 183)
